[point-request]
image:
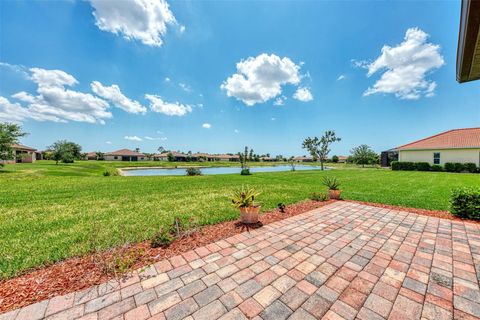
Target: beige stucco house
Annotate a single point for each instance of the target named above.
(22, 154)
(124, 155)
(458, 145)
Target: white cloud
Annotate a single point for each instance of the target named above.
(185, 87)
(143, 20)
(155, 138)
(167, 108)
(132, 138)
(406, 66)
(273, 119)
(108, 142)
(20, 69)
(54, 102)
(303, 94)
(167, 79)
(115, 96)
(259, 79)
(206, 125)
(280, 101)
(236, 131)
(182, 29)
(341, 77)
(14, 112)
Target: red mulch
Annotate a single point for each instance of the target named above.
(79, 273)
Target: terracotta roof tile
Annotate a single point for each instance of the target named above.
(124, 152)
(457, 138)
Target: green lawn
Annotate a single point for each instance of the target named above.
(50, 212)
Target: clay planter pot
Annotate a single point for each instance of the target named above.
(335, 194)
(249, 214)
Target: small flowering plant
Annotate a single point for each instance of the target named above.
(244, 197)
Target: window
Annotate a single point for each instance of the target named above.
(436, 158)
(115, 157)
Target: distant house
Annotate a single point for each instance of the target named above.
(267, 159)
(342, 159)
(458, 145)
(202, 157)
(226, 157)
(124, 155)
(21, 154)
(91, 156)
(303, 159)
(177, 156)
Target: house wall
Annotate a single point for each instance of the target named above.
(119, 158)
(446, 155)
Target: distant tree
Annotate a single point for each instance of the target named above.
(291, 161)
(149, 156)
(66, 151)
(279, 158)
(363, 155)
(137, 150)
(244, 158)
(170, 157)
(250, 156)
(335, 159)
(320, 147)
(161, 149)
(9, 135)
(100, 155)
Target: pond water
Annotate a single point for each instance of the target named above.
(213, 170)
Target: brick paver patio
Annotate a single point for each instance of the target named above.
(342, 261)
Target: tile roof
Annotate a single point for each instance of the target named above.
(124, 152)
(452, 139)
(22, 147)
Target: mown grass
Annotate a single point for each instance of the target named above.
(51, 212)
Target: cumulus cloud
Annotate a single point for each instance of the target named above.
(132, 138)
(14, 112)
(206, 125)
(259, 79)
(341, 77)
(168, 108)
(143, 20)
(108, 142)
(185, 87)
(406, 66)
(54, 102)
(115, 96)
(303, 94)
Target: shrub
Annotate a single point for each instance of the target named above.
(436, 167)
(245, 172)
(318, 196)
(194, 172)
(111, 172)
(449, 167)
(470, 167)
(408, 166)
(423, 166)
(331, 183)
(465, 202)
(335, 159)
(459, 167)
(161, 239)
(281, 206)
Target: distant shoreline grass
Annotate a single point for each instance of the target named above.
(51, 212)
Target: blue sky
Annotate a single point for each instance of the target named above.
(216, 76)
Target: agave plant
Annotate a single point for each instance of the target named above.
(244, 197)
(331, 183)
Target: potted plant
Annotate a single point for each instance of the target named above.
(244, 199)
(333, 187)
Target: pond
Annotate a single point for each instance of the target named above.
(212, 170)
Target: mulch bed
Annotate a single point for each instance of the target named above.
(78, 273)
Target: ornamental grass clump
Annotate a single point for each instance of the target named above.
(244, 198)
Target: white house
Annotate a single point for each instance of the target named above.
(458, 145)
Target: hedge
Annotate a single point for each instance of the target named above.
(425, 166)
(465, 202)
